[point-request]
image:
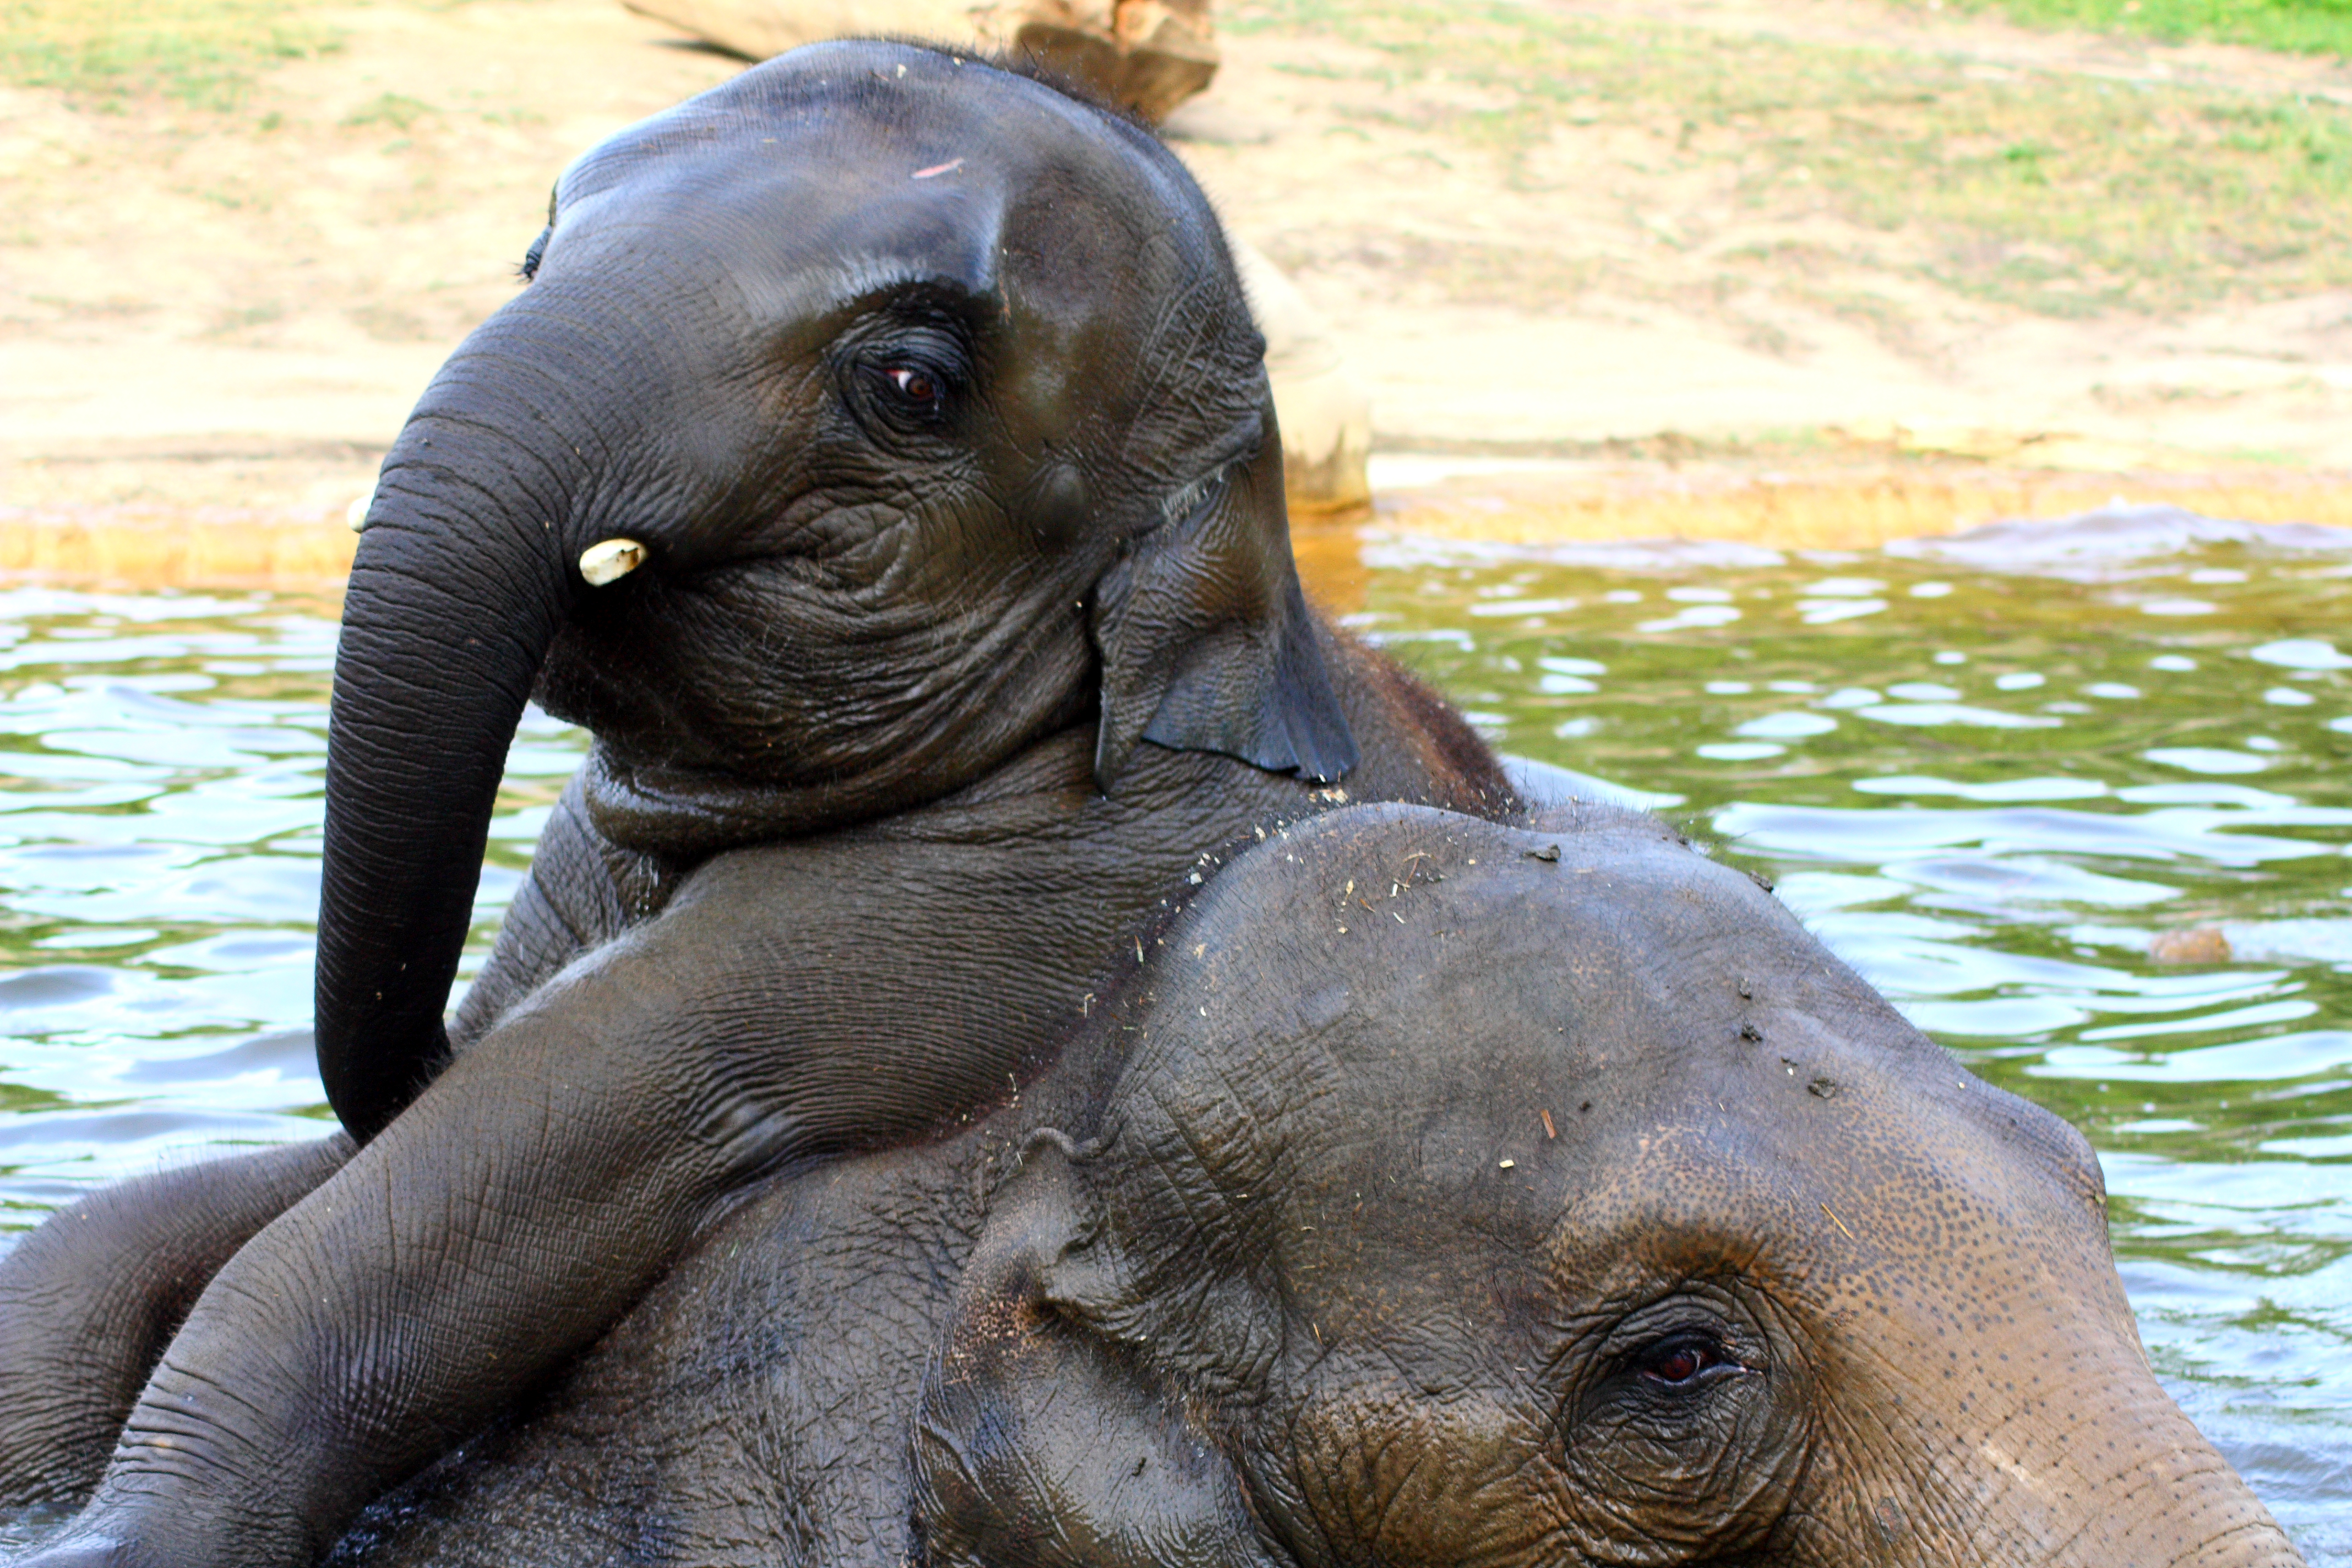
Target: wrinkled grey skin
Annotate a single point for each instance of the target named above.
(1545, 1210)
(968, 628)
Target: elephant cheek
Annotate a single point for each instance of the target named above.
(1461, 1480)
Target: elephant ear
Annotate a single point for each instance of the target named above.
(1206, 644)
(1042, 1443)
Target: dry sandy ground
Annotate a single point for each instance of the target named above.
(264, 304)
(207, 311)
(1344, 207)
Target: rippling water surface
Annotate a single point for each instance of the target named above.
(2000, 776)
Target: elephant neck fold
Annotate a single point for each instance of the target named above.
(687, 815)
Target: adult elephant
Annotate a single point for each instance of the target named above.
(1440, 1193)
(880, 462)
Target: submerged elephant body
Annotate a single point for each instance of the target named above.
(1573, 1209)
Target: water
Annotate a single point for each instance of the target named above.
(1989, 775)
(162, 764)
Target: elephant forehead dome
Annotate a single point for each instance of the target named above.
(1386, 916)
(854, 111)
(1400, 967)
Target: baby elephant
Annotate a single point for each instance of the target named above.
(880, 462)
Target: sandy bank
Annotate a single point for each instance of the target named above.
(1653, 324)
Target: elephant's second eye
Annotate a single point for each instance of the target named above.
(1678, 1363)
(1196, 497)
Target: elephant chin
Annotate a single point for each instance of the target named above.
(686, 813)
(683, 816)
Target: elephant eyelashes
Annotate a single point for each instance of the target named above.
(912, 397)
(1197, 497)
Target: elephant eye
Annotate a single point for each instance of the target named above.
(913, 382)
(915, 389)
(1684, 1360)
(1197, 497)
(913, 385)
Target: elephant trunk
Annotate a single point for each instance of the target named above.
(2176, 1503)
(463, 578)
(2096, 1470)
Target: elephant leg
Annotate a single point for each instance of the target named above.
(88, 1300)
(534, 1190)
(583, 891)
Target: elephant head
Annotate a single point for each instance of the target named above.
(862, 421)
(1456, 1194)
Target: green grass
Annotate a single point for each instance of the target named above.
(2062, 194)
(2298, 26)
(395, 111)
(206, 54)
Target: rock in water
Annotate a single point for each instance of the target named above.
(1149, 55)
(1325, 413)
(2191, 944)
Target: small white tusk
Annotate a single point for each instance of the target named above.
(611, 560)
(356, 514)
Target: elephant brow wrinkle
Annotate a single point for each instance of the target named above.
(912, 290)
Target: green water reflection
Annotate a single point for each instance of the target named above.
(1989, 778)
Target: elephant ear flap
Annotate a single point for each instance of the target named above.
(1206, 644)
(1041, 1441)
